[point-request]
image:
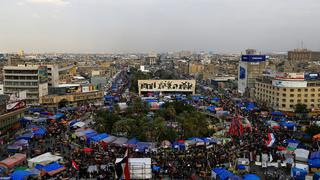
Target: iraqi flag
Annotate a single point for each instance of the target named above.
(271, 139)
(122, 167)
(74, 165)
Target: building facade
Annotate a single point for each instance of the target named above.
(30, 78)
(303, 55)
(250, 67)
(284, 95)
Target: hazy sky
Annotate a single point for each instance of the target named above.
(158, 25)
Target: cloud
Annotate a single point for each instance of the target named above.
(55, 2)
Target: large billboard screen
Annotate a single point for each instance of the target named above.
(293, 84)
(311, 76)
(167, 85)
(253, 58)
(242, 73)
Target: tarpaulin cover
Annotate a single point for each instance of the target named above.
(222, 173)
(298, 174)
(26, 136)
(20, 175)
(53, 168)
(142, 146)
(14, 160)
(132, 142)
(109, 139)
(276, 113)
(211, 108)
(292, 141)
(40, 132)
(120, 141)
(314, 163)
(315, 155)
(56, 116)
(216, 99)
(316, 175)
(71, 123)
(33, 110)
(99, 137)
(302, 154)
(251, 177)
(287, 124)
(235, 178)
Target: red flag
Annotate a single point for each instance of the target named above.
(126, 167)
(74, 165)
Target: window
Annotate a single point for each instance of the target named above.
(291, 100)
(312, 95)
(299, 90)
(306, 90)
(291, 106)
(306, 100)
(284, 89)
(306, 95)
(312, 100)
(283, 100)
(291, 95)
(283, 105)
(299, 101)
(284, 95)
(312, 90)
(291, 90)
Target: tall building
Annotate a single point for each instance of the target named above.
(30, 78)
(53, 75)
(303, 55)
(250, 67)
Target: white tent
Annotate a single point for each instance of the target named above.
(301, 155)
(44, 159)
(79, 124)
(140, 168)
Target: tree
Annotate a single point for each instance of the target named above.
(313, 130)
(301, 108)
(105, 120)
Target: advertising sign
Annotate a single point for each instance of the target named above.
(167, 85)
(43, 74)
(242, 73)
(85, 89)
(311, 76)
(295, 84)
(253, 58)
(290, 76)
(73, 89)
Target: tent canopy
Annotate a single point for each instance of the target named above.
(315, 155)
(14, 160)
(251, 177)
(20, 175)
(120, 141)
(43, 159)
(99, 137)
(132, 142)
(53, 168)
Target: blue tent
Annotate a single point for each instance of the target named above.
(211, 108)
(215, 99)
(99, 137)
(142, 146)
(314, 163)
(315, 155)
(53, 167)
(179, 145)
(316, 175)
(222, 173)
(132, 142)
(56, 116)
(33, 110)
(277, 113)
(26, 136)
(298, 174)
(289, 125)
(292, 141)
(40, 132)
(20, 175)
(71, 123)
(251, 177)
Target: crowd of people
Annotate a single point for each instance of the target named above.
(191, 163)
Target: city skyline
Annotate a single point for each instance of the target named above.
(105, 26)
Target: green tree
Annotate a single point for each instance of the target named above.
(301, 108)
(313, 130)
(105, 120)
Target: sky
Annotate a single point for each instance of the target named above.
(113, 26)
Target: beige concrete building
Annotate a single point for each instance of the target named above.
(303, 55)
(72, 98)
(30, 78)
(283, 95)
